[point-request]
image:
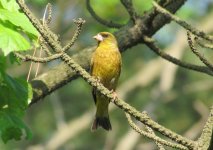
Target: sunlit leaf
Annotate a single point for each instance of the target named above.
(10, 5)
(11, 40)
(18, 19)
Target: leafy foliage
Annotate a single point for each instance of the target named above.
(11, 40)
(16, 34)
(11, 23)
(10, 5)
(14, 97)
(13, 105)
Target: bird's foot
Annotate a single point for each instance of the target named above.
(98, 80)
(114, 94)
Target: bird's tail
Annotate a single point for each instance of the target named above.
(102, 115)
(103, 122)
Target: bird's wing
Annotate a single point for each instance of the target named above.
(119, 73)
(120, 65)
(91, 65)
(93, 90)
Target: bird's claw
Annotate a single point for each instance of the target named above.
(98, 80)
(114, 95)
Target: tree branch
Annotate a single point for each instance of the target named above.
(195, 51)
(152, 136)
(182, 23)
(109, 24)
(37, 59)
(168, 57)
(130, 9)
(205, 140)
(159, 145)
(204, 45)
(79, 22)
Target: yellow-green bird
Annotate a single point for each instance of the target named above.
(106, 68)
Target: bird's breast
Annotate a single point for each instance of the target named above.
(106, 65)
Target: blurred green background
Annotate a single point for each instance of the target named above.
(175, 97)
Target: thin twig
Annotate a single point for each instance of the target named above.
(195, 51)
(79, 22)
(206, 137)
(204, 45)
(183, 23)
(49, 16)
(37, 59)
(152, 136)
(109, 24)
(176, 61)
(44, 47)
(159, 145)
(130, 9)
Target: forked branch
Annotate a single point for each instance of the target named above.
(196, 52)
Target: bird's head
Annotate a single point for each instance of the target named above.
(105, 37)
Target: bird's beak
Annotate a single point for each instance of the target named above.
(98, 37)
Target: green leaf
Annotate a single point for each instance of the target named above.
(12, 127)
(18, 19)
(22, 125)
(1, 80)
(15, 94)
(22, 92)
(13, 107)
(11, 133)
(11, 40)
(2, 63)
(13, 59)
(9, 5)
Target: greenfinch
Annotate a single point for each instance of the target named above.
(106, 68)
